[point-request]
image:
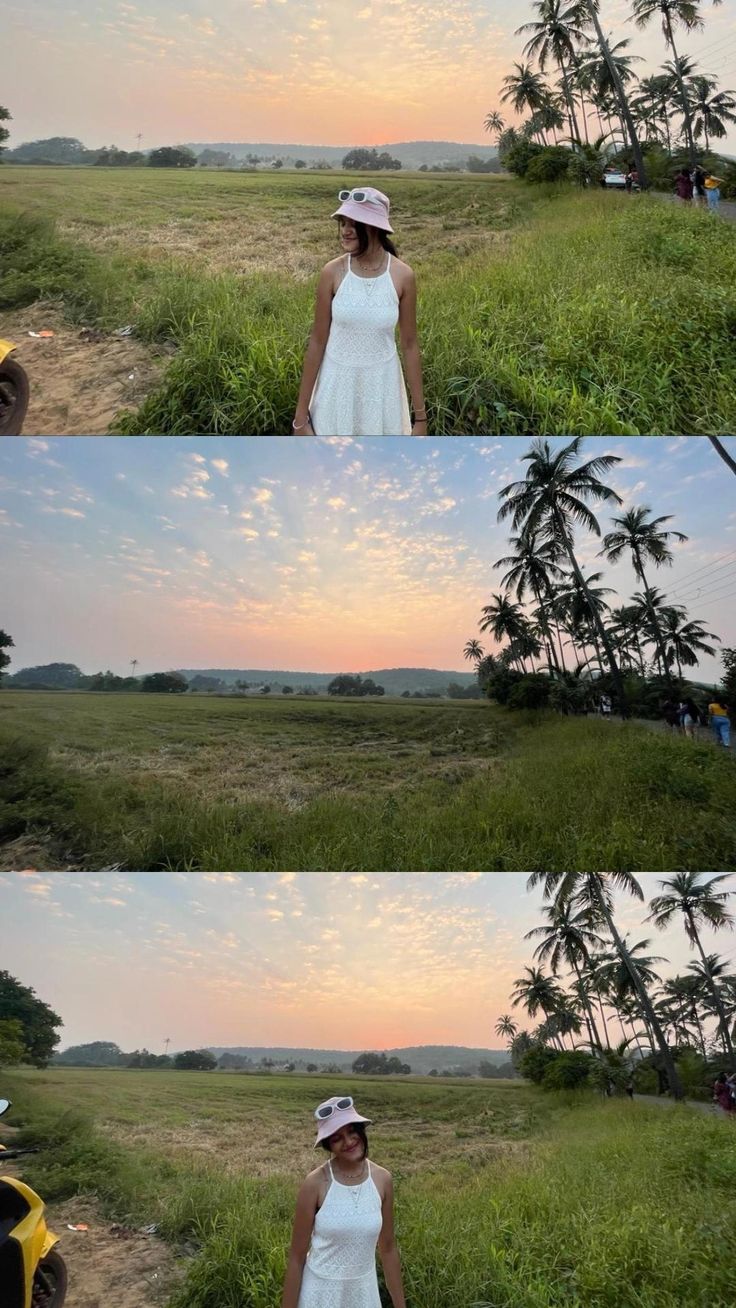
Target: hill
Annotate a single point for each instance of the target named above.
(394, 680)
(421, 1058)
(412, 154)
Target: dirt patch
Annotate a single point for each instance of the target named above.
(110, 1262)
(79, 379)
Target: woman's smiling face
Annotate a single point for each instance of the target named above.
(348, 235)
(346, 1145)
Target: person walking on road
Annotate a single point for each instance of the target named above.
(352, 382)
(712, 191)
(720, 723)
(722, 1093)
(684, 186)
(344, 1211)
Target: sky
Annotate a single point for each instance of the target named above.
(323, 960)
(321, 555)
(302, 71)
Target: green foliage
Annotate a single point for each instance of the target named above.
(551, 164)
(374, 1064)
(533, 1063)
(517, 158)
(97, 1053)
(30, 1019)
(6, 642)
(728, 684)
(570, 1071)
(172, 156)
(370, 161)
(5, 117)
(12, 1042)
(354, 686)
(195, 1060)
(35, 795)
(530, 692)
(167, 683)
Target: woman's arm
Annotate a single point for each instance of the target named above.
(315, 351)
(388, 1249)
(306, 1207)
(410, 351)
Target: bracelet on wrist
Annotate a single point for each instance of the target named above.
(420, 417)
(297, 426)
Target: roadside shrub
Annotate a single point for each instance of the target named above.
(550, 165)
(533, 1064)
(568, 1071)
(531, 692)
(35, 263)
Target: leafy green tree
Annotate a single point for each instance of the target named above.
(569, 1071)
(195, 1060)
(172, 156)
(98, 1053)
(12, 1045)
(164, 683)
(369, 161)
(5, 117)
(6, 642)
(535, 1060)
(38, 1022)
(712, 110)
(287, 690)
(557, 34)
(49, 676)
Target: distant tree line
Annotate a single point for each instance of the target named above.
(373, 1064)
(345, 684)
(370, 161)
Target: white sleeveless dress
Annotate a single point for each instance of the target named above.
(340, 1271)
(360, 389)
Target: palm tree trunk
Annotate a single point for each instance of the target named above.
(574, 129)
(661, 652)
(683, 94)
(592, 9)
(721, 450)
(646, 1003)
(715, 992)
(613, 665)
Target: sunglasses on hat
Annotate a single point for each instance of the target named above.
(360, 197)
(326, 1110)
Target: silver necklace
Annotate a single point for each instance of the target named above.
(355, 1191)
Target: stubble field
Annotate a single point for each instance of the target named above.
(540, 310)
(505, 1196)
(171, 782)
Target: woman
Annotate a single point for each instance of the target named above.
(343, 1210)
(690, 717)
(722, 1093)
(684, 185)
(720, 723)
(352, 383)
(712, 186)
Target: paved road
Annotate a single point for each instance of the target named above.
(726, 209)
(710, 1108)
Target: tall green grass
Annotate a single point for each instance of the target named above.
(602, 1205)
(577, 313)
(475, 789)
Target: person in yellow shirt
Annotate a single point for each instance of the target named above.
(712, 191)
(720, 723)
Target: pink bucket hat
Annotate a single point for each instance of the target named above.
(372, 209)
(335, 1113)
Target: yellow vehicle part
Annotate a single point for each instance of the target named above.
(6, 347)
(32, 1234)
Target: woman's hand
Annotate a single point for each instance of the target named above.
(302, 428)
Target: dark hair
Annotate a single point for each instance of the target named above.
(359, 1129)
(362, 230)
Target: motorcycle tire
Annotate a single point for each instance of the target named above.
(53, 1270)
(14, 392)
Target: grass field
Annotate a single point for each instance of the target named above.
(505, 1197)
(539, 310)
(152, 782)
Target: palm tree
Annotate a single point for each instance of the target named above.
(566, 938)
(506, 1027)
(711, 112)
(624, 107)
(643, 536)
(525, 89)
(536, 991)
(687, 14)
(653, 103)
(473, 650)
(700, 904)
(533, 567)
(623, 624)
(494, 122)
(503, 618)
(553, 498)
(596, 72)
(594, 891)
(557, 34)
(722, 452)
(685, 640)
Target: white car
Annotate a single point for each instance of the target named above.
(615, 179)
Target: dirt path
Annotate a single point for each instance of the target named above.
(711, 1109)
(79, 378)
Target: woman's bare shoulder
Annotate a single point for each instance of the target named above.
(402, 266)
(381, 1172)
(315, 1179)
